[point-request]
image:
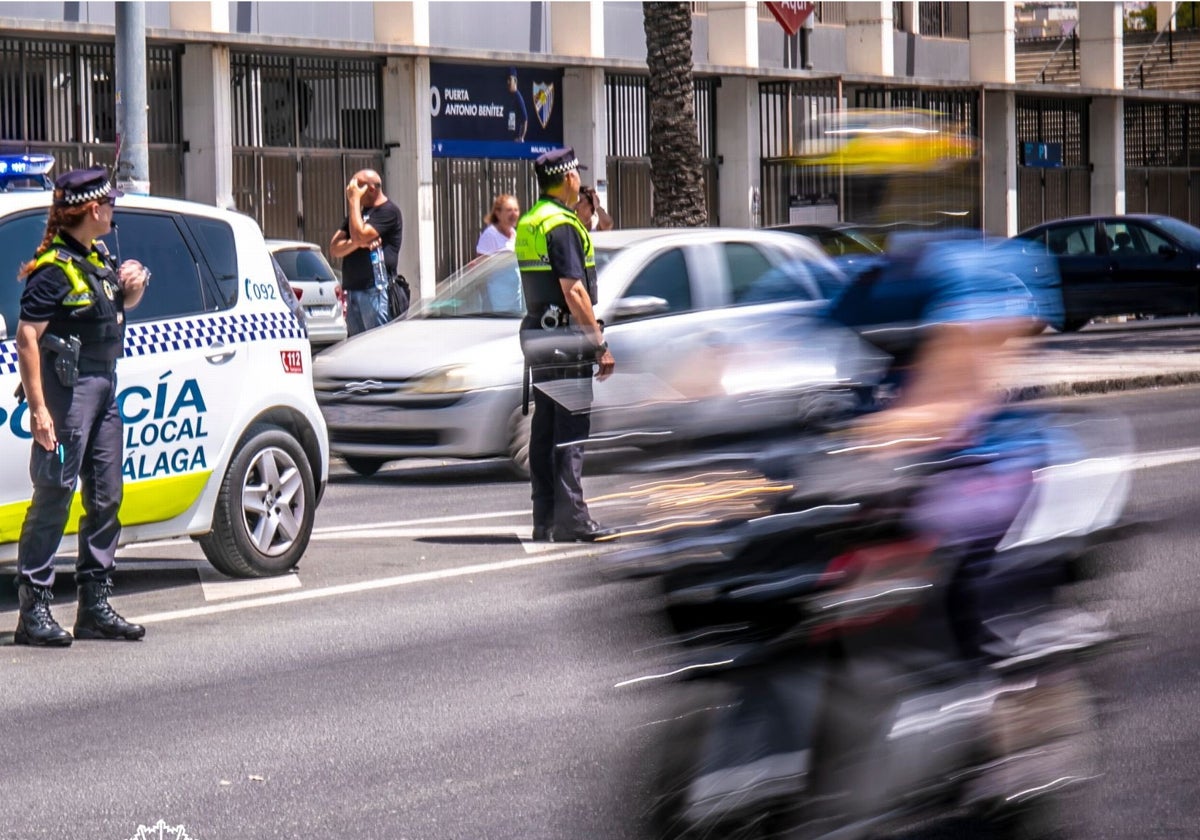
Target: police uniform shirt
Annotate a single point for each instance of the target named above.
(45, 288)
(565, 250)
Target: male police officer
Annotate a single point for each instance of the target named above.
(561, 339)
(70, 334)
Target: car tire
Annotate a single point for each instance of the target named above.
(1074, 324)
(518, 441)
(268, 474)
(366, 467)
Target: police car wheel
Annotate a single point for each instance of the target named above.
(518, 441)
(266, 507)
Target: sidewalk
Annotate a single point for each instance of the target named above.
(1104, 358)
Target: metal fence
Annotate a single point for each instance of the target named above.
(1066, 190)
(792, 117)
(302, 126)
(630, 193)
(59, 97)
(944, 20)
(1162, 158)
(463, 192)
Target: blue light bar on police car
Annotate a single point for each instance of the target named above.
(25, 164)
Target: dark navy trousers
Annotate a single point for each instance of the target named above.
(555, 456)
(89, 428)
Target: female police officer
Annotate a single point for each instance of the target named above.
(69, 337)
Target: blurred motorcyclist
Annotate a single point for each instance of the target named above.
(942, 307)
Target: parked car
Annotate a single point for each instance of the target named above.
(1122, 265)
(835, 240)
(316, 286)
(446, 380)
(224, 441)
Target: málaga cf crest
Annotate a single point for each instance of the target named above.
(543, 101)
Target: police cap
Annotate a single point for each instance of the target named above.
(79, 186)
(556, 163)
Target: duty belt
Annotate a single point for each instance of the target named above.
(87, 365)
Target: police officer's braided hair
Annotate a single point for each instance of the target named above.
(60, 219)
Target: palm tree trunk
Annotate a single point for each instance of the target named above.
(675, 171)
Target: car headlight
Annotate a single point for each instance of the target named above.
(457, 379)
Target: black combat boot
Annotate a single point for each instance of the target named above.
(36, 626)
(97, 619)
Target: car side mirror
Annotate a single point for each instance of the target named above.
(1168, 251)
(639, 306)
(3, 329)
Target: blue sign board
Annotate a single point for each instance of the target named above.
(495, 111)
(1046, 155)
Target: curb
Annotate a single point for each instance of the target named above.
(1026, 393)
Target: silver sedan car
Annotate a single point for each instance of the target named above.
(315, 286)
(680, 308)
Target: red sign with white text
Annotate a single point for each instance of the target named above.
(791, 16)
(293, 361)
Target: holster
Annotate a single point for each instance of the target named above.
(66, 357)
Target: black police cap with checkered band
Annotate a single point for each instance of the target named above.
(558, 162)
(79, 186)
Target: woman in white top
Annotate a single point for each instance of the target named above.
(501, 231)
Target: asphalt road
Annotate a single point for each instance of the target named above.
(430, 675)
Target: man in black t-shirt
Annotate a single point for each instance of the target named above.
(373, 221)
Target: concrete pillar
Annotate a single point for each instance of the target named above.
(733, 34)
(999, 161)
(738, 143)
(577, 29)
(870, 39)
(408, 166)
(585, 122)
(402, 23)
(1101, 45)
(200, 15)
(908, 17)
(1108, 154)
(1164, 11)
(207, 124)
(993, 42)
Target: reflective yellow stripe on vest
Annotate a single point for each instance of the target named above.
(80, 293)
(543, 217)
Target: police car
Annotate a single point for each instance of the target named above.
(25, 172)
(223, 440)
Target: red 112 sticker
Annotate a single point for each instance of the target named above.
(293, 361)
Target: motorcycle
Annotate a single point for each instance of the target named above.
(871, 642)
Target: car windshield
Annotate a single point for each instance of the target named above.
(486, 287)
(304, 265)
(1181, 231)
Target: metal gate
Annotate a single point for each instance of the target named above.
(1162, 159)
(463, 192)
(302, 126)
(1045, 193)
(795, 119)
(630, 193)
(59, 97)
(791, 118)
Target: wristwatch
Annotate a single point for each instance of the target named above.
(601, 348)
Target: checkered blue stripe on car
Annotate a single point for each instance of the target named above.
(145, 339)
(189, 333)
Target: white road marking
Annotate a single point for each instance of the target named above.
(354, 588)
(217, 587)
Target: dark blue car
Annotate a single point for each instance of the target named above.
(1122, 265)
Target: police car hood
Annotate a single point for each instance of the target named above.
(412, 348)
